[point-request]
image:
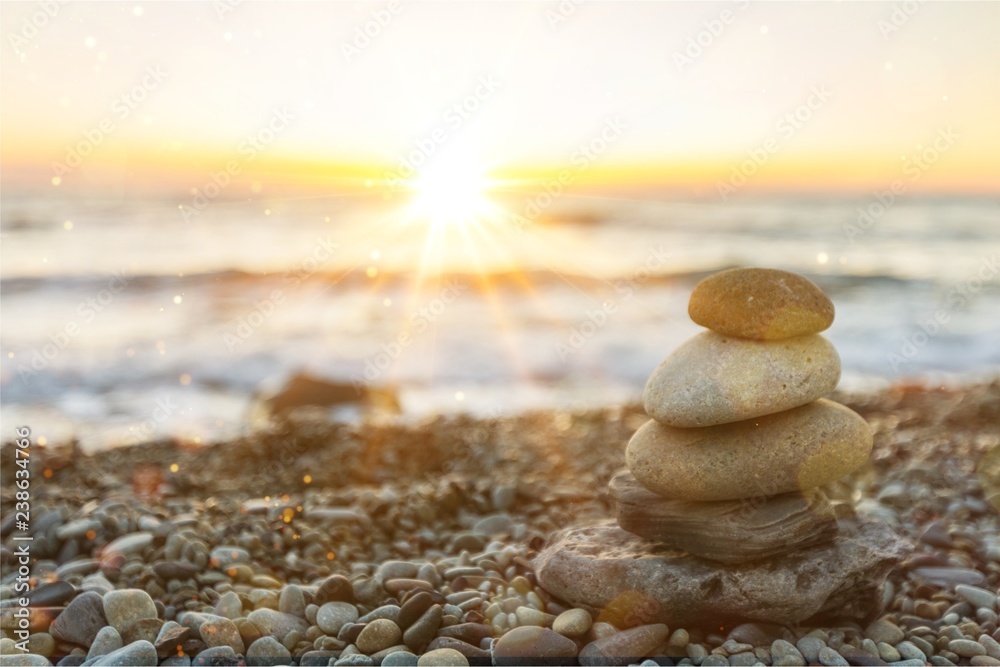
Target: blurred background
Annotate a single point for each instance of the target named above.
(480, 207)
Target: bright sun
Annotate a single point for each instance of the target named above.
(450, 193)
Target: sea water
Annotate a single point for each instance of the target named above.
(124, 321)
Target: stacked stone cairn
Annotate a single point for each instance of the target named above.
(720, 515)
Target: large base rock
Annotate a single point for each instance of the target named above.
(629, 581)
(729, 531)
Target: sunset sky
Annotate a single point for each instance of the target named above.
(538, 80)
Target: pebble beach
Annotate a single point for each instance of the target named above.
(313, 543)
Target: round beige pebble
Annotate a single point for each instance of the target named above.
(794, 450)
(377, 635)
(762, 304)
(443, 657)
(573, 623)
(714, 379)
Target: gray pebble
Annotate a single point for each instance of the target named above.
(229, 606)
(396, 569)
(784, 649)
(888, 652)
(127, 544)
(318, 658)
(496, 524)
(886, 631)
(400, 659)
(224, 557)
(389, 611)
(829, 657)
(910, 652)
(991, 645)
(25, 660)
(216, 655)
(810, 647)
(503, 497)
(356, 660)
(332, 616)
(978, 597)
(292, 601)
(443, 657)
(922, 644)
(136, 653)
(222, 632)
(715, 661)
(694, 651)
(744, 659)
(123, 608)
(177, 661)
(107, 641)
(966, 648)
(942, 661)
(267, 651)
(276, 624)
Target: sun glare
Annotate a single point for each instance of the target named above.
(450, 193)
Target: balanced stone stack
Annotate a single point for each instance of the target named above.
(720, 514)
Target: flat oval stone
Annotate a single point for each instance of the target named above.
(534, 646)
(377, 635)
(332, 616)
(276, 624)
(715, 379)
(798, 449)
(728, 531)
(625, 647)
(603, 568)
(762, 304)
(82, 619)
(125, 607)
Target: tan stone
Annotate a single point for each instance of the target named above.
(798, 449)
(762, 304)
(715, 379)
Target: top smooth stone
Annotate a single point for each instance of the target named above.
(760, 304)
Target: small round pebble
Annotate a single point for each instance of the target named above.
(124, 607)
(978, 597)
(332, 616)
(136, 653)
(830, 658)
(266, 652)
(696, 651)
(24, 660)
(884, 631)
(810, 647)
(966, 648)
(888, 652)
(106, 641)
(355, 660)
(573, 623)
(442, 657)
(377, 635)
(216, 655)
(762, 304)
(781, 649)
(400, 659)
(521, 644)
